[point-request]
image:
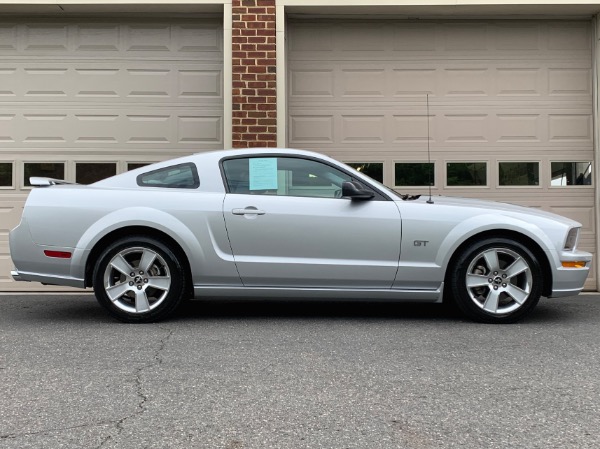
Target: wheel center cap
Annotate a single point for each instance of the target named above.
(498, 280)
(138, 280)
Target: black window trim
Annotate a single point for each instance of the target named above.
(379, 195)
(193, 167)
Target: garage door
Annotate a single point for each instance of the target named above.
(510, 107)
(83, 100)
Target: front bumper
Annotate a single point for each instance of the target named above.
(570, 281)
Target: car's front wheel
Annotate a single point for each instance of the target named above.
(496, 280)
(139, 279)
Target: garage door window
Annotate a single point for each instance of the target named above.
(373, 170)
(464, 174)
(6, 174)
(519, 173)
(571, 174)
(416, 174)
(54, 170)
(90, 172)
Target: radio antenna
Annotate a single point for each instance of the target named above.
(429, 201)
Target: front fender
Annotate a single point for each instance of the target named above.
(470, 227)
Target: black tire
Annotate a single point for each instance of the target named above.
(154, 286)
(505, 281)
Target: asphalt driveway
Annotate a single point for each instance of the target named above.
(300, 375)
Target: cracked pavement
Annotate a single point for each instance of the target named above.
(300, 375)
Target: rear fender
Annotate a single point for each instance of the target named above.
(143, 216)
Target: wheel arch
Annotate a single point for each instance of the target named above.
(146, 231)
(531, 244)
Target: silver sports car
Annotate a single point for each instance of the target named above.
(272, 223)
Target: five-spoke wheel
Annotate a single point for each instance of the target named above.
(138, 279)
(496, 280)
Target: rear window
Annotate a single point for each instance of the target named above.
(181, 176)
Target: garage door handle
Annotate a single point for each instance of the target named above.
(251, 210)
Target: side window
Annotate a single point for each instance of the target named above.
(182, 176)
(283, 176)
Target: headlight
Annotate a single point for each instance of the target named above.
(571, 241)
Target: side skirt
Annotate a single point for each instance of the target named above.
(214, 292)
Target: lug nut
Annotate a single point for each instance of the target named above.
(504, 275)
(490, 280)
(141, 272)
(504, 285)
(139, 287)
(132, 274)
(495, 273)
(495, 287)
(145, 281)
(130, 282)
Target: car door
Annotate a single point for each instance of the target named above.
(289, 226)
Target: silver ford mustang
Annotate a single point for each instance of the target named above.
(270, 223)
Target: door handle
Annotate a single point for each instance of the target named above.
(250, 210)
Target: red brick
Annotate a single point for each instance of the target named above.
(257, 85)
(249, 136)
(256, 54)
(266, 62)
(250, 107)
(248, 18)
(265, 2)
(265, 92)
(259, 40)
(239, 69)
(239, 129)
(249, 122)
(257, 114)
(248, 3)
(258, 100)
(264, 107)
(257, 69)
(266, 32)
(262, 45)
(257, 129)
(265, 77)
(257, 10)
(239, 54)
(268, 136)
(248, 92)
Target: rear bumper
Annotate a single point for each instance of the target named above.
(47, 279)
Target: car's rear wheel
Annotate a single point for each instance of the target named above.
(496, 280)
(139, 279)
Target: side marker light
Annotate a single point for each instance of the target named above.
(57, 254)
(576, 264)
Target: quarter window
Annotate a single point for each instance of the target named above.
(283, 176)
(181, 176)
(571, 174)
(519, 173)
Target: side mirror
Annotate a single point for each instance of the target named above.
(355, 191)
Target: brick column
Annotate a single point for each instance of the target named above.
(253, 61)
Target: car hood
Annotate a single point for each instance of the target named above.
(511, 210)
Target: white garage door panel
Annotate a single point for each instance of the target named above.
(110, 90)
(499, 91)
(84, 129)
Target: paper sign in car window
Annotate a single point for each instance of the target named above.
(263, 173)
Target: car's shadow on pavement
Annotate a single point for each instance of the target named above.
(84, 308)
(256, 309)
